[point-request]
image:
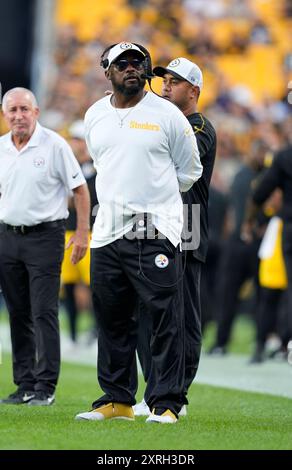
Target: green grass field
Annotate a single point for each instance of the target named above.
(217, 419)
(242, 337)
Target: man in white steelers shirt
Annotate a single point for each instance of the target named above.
(37, 172)
(145, 153)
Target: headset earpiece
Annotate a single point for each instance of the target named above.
(104, 61)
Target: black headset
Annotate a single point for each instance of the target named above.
(148, 63)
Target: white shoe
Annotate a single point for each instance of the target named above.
(183, 411)
(89, 416)
(41, 398)
(141, 409)
(168, 417)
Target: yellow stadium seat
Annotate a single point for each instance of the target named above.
(93, 18)
(260, 69)
(222, 31)
(268, 10)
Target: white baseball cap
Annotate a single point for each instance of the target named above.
(120, 49)
(183, 69)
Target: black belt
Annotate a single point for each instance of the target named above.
(23, 229)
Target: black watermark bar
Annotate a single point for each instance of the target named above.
(136, 458)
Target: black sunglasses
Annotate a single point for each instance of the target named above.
(122, 64)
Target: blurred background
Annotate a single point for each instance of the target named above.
(244, 48)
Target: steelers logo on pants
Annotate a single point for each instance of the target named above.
(161, 261)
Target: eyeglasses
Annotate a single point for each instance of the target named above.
(122, 64)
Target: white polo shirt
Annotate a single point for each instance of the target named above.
(35, 181)
(141, 166)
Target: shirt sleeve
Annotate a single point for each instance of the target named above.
(206, 140)
(87, 139)
(87, 125)
(270, 181)
(184, 152)
(67, 167)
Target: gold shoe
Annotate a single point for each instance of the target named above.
(108, 411)
(168, 417)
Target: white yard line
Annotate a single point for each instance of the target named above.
(230, 371)
(233, 371)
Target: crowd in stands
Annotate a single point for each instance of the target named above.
(243, 47)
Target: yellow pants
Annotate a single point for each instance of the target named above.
(75, 273)
(272, 271)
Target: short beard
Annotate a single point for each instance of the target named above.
(132, 90)
(20, 135)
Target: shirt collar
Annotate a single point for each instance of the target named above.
(33, 141)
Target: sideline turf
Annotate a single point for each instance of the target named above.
(217, 419)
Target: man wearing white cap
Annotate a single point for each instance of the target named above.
(182, 85)
(145, 153)
(184, 70)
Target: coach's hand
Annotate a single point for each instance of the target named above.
(80, 244)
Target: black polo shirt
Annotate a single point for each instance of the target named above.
(199, 192)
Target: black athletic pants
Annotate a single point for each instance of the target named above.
(193, 336)
(71, 309)
(239, 262)
(267, 314)
(30, 268)
(192, 310)
(122, 273)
